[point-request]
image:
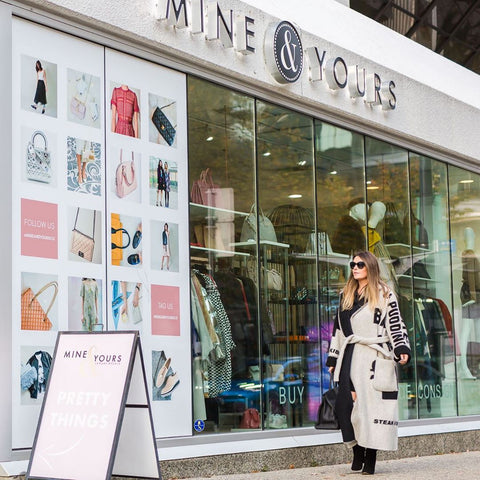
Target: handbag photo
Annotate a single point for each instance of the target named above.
(326, 416)
(163, 124)
(38, 160)
(125, 177)
(78, 106)
(83, 245)
(250, 419)
(33, 315)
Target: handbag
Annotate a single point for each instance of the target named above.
(326, 416)
(206, 192)
(250, 419)
(249, 228)
(163, 125)
(38, 160)
(385, 375)
(125, 177)
(136, 313)
(32, 313)
(83, 244)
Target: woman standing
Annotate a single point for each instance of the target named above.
(40, 98)
(166, 175)
(368, 330)
(160, 183)
(166, 246)
(89, 294)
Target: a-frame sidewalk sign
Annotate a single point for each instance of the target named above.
(95, 420)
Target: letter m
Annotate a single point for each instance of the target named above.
(173, 11)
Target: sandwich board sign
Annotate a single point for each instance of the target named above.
(95, 420)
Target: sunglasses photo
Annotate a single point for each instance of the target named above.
(360, 265)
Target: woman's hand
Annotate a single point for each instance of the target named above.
(403, 359)
(331, 370)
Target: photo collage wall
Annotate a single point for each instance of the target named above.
(100, 215)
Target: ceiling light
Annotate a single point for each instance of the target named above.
(466, 181)
(295, 195)
(333, 172)
(209, 139)
(266, 154)
(302, 163)
(373, 187)
(369, 182)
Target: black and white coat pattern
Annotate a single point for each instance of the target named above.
(375, 413)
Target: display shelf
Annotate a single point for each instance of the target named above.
(262, 243)
(223, 252)
(217, 209)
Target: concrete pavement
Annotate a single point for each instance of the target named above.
(453, 466)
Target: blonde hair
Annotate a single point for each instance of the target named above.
(372, 290)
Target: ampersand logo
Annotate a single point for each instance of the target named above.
(283, 52)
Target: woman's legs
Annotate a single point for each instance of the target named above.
(370, 461)
(358, 457)
(79, 168)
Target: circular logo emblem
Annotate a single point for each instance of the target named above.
(199, 425)
(283, 52)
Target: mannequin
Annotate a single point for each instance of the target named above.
(348, 236)
(471, 308)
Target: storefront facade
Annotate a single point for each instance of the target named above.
(211, 167)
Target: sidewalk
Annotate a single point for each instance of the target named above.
(454, 466)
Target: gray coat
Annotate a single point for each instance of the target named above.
(376, 333)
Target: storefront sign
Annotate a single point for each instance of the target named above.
(95, 419)
(283, 51)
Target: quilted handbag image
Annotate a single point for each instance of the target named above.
(163, 125)
(38, 159)
(125, 177)
(33, 315)
(83, 245)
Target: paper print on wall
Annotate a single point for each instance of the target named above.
(83, 98)
(162, 127)
(165, 310)
(39, 86)
(85, 304)
(35, 368)
(39, 234)
(125, 109)
(39, 163)
(84, 172)
(165, 376)
(126, 240)
(125, 182)
(85, 238)
(164, 244)
(127, 299)
(38, 305)
(163, 182)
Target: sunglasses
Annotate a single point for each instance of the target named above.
(360, 265)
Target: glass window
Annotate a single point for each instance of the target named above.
(464, 189)
(432, 296)
(286, 202)
(226, 370)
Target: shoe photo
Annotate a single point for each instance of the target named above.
(134, 259)
(170, 384)
(162, 374)
(137, 238)
(160, 363)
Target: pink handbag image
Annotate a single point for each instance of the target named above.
(125, 179)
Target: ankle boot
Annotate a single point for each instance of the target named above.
(358, 457)
(370, 460)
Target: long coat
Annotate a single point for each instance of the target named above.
(375, 413)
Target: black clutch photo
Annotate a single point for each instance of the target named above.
(163, 125)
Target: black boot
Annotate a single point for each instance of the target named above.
(358, 457)
(370, 460)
